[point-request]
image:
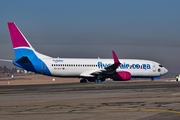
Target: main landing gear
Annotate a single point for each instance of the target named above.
(83, 80)
(100, 79)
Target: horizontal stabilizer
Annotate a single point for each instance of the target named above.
(5, 60)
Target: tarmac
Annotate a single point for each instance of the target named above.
(25, 99)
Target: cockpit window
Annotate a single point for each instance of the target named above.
(160, 66)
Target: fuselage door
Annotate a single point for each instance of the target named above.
(154, 68)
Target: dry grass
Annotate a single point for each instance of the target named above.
(41, 79)
(35, 79)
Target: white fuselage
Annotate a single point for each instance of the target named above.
(67, 67)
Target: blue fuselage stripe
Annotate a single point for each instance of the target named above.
(35, 64)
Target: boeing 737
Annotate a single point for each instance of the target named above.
(89, 70)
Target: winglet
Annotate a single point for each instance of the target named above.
(115, 57)
(116, 60)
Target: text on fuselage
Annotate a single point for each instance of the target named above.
(126, 66)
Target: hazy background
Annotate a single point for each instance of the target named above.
(142, 29)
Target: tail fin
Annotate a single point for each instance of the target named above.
(22, 48)
(26, 57)
(20, 44)
(18, 39)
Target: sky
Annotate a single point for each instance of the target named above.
(135, 29)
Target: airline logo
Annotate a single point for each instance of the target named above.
(126, 66)
(57, 61)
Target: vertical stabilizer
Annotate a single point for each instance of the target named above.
(22, 48)
(18, 39)
(26, 57)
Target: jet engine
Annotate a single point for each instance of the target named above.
(122, 76)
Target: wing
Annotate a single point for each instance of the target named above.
(110, 69)
(106, 71)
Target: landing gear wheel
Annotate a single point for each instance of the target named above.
(99, 81)
(83, 80)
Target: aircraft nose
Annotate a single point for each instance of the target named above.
(165, 70)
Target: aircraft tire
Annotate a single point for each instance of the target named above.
(83, 80)
(99, 81)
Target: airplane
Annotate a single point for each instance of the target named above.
(88, 70)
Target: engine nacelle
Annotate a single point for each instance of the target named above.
(122, 76)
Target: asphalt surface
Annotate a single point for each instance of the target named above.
(91, 101)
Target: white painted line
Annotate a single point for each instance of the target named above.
(176, 94)
(170, 80)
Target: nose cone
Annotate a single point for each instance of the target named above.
(165, 70)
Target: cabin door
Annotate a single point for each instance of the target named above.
(154, 68)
